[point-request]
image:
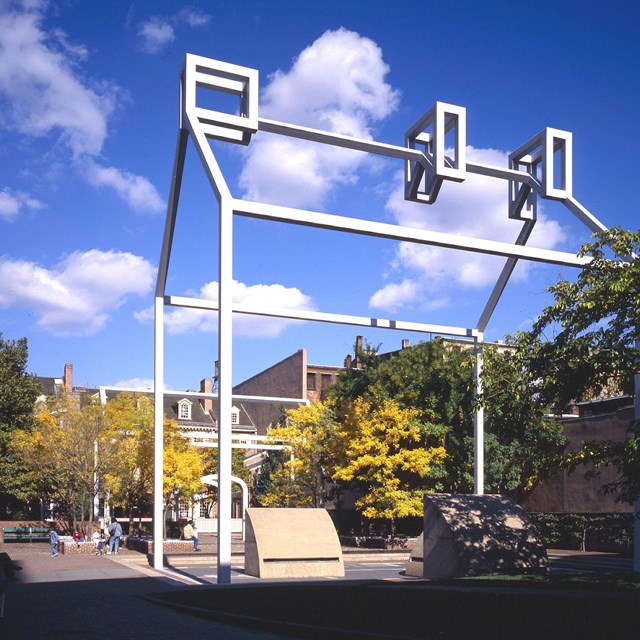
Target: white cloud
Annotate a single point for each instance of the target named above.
(476, 208)
(158, 32)
(393, 296)
(185, 320)
(12, 204)
(336, 84)
(42, 94)
(78, 295)
(193, 17)
(137, 191)
(155, 34)
(144, 384)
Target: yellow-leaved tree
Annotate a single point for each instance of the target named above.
(61, 457)
(382, 451)
(129, 480)
(297, 477)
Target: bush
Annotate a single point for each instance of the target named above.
(612, 532)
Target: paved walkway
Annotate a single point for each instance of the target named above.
(71, 596)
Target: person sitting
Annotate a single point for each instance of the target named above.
(190, 533)
(77, 536)
(99, 539)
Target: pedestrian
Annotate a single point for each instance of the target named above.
(99, 539)
(191, 533)
(54, 538)
(115, 532)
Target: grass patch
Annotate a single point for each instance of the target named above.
(589, 581)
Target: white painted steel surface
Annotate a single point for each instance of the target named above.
(427, 168)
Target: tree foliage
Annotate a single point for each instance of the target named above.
(18, 393)
(72, 444)
(130, 421)
(588, 343)
(585, 341)
(524, 445)
(299, 480)
(383, 449)
(59, 455)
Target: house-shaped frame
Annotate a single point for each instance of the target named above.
(542, 167)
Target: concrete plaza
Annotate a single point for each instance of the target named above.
(77, 596)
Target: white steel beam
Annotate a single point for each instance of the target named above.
(478, 423)
(172, 209)
(408, 234)
(338, 140)
(225, 390)
(636, 504)
(158, 435)
(503, 278)
(317, 316)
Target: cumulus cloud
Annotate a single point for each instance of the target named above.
(158, 32)
(155, 34)
(144, 384)
(180, 321)
(336, 84)
(43, 94)
(137, 191)
(476, 208)
(42, 91)
(13, 203)
(79, 294)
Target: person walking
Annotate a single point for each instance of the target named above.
(190, 533)
(54, 538)
(115, 532)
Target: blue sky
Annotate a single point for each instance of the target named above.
(89, 97)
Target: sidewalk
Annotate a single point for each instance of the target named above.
(76, 597)
(71, 597)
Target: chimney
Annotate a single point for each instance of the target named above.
(357, 362)
(405, 343)
(206, 386)
(67, 378)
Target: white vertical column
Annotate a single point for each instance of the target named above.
(225, 402)
(158, 435)
(478, 422)
(636, 506)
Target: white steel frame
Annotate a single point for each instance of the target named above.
(542, 167)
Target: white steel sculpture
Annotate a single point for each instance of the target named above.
(542, 167)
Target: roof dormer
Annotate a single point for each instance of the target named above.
(184, 409)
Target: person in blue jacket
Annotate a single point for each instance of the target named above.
(54, 538)
(115, 532)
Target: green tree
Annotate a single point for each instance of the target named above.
(269, 475)
(587, 343)
(436, 379)
(524, 445)
(18, 393)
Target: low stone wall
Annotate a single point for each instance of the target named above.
(69, 547)
(145, 545)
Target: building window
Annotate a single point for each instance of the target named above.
(326, 380)
(311, 381)
(235, 415)
(184, 410)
